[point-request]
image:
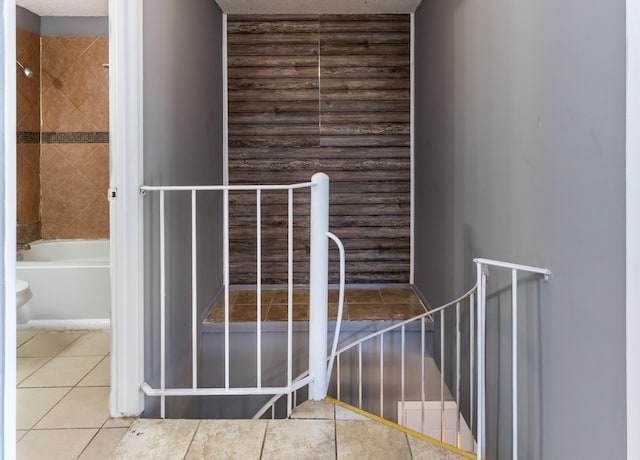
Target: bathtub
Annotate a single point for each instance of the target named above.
(70, 281)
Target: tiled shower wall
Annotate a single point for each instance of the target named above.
(63, 137)
(28, 148)
(74, 167)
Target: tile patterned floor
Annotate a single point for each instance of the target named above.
(360, 304)
(316, 430)
(63, 396)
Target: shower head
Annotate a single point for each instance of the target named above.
(25, 70)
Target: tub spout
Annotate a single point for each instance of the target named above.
(23, 246)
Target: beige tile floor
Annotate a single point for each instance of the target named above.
(63, 396)
(318, 430)
(360, 304)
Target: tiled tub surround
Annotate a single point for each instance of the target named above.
(28, 148)
(63, 137)
(75, 149)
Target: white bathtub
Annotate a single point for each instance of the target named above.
(70, 281)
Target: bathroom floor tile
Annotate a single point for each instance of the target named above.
(47, 344)
(53, 444)
(151, 439)
(33, 403)
(89, 344)
(234, 439)
(27, 366)
(99, 375)
(103, 444)
(295, 439)
(20, 434)
(370, 439)
(24, 336)
(61, 372)
(82, 408)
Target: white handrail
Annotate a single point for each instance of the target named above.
(205, 188)
(336, 333)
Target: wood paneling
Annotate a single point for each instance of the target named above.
(321, 93)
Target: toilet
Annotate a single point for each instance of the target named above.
(23, 293)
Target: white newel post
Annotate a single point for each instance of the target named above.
(318, 286)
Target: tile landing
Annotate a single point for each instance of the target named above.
(316, 430)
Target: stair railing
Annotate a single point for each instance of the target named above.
(318, 290)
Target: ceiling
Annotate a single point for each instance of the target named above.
(100, 7)
(66, 7)
(318, 6)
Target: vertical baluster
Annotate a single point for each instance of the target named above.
(258, 288)
(360, 375)
(422, 392)
(194, 292)
(472, 357)
(402, 339)
(163, 305)
(382, 375)
(289, 287)
(338, 379)
(442, 375)
(514, 357)
(225, 256)
(458, 380)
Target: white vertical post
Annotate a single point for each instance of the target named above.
(382, 375)
(360, 375)
(422, 391)
(442, 375)
(514, 359)
(163, 305)
(472, 357)
(401, 421)
(318, 286)
(225, 269)
(290, 291)
(258, 289)
(194, 292)
(480, 372)
(458, 369)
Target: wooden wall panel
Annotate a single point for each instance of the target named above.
(321, 93)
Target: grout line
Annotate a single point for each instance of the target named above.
(264, 438)
(406, 439)
(192, 438)
(90, 441)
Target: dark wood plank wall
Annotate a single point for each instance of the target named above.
(321, 93)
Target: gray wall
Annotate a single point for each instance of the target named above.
(520, 144)
(182, 146)
(25, 19)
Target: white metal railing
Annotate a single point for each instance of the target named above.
(482, 270)
(466, 301)
(475, 297)
(318, 295)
